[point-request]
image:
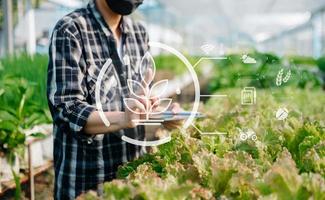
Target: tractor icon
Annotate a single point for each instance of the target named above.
(248, 134)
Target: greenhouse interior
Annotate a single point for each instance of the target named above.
(162, 99)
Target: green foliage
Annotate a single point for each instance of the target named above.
(233, 73)
(116, 191)
(145, 184)
(22, 104)
(127, 169)
(11, 135)
(168, 62)
(303, 60)
(286, 161)
(22, 101)
(321, 63)
(283, 178)
(18, 190)
(31, 70)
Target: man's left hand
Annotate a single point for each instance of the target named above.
(175, 108)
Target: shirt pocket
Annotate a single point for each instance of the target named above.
(93, 160)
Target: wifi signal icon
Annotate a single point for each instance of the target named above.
(207, 48)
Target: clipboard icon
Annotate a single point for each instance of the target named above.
(248, 96)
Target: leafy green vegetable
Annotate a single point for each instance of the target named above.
(287, 161)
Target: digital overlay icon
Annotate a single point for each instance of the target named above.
(208, 48)
(280, 79)
(159, 87)
(248, 96)
(248, 60)
(141, 91)
(281, 114)
(247, 134)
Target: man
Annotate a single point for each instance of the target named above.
(86, 152)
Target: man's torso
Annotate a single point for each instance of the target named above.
(81, 162)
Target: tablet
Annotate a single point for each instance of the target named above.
(170, 116)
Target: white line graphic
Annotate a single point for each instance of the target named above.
(208, 58)
(194, 77)
(208, 133)
(97, 93)
(146, 143)
(214, 133)
(196, 101)
(149, 124)
(214, 95)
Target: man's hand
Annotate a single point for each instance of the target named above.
(140, 103)
(175, 108)
(131, 116)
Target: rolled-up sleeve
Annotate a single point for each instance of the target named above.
(66, 87)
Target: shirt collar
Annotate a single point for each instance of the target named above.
(124, 24)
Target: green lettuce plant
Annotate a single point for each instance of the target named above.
(286, 161)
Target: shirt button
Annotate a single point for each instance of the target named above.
(89, 140)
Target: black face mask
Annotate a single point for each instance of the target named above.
(123, 7)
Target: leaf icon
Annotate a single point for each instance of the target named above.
(131, 104)
(165, 101)
(147, 62)
(136, 88)
(158, 89)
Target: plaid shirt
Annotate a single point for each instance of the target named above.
(81, 44)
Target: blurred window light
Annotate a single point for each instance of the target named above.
(150, 4)
(259, 37)
(285, 19)
(68, 4)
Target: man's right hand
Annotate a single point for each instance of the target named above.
(131, 116)
(121, 120)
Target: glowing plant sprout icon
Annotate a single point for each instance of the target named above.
(146, 91)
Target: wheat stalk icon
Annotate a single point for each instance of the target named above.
(280, 79)
(146, 90)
